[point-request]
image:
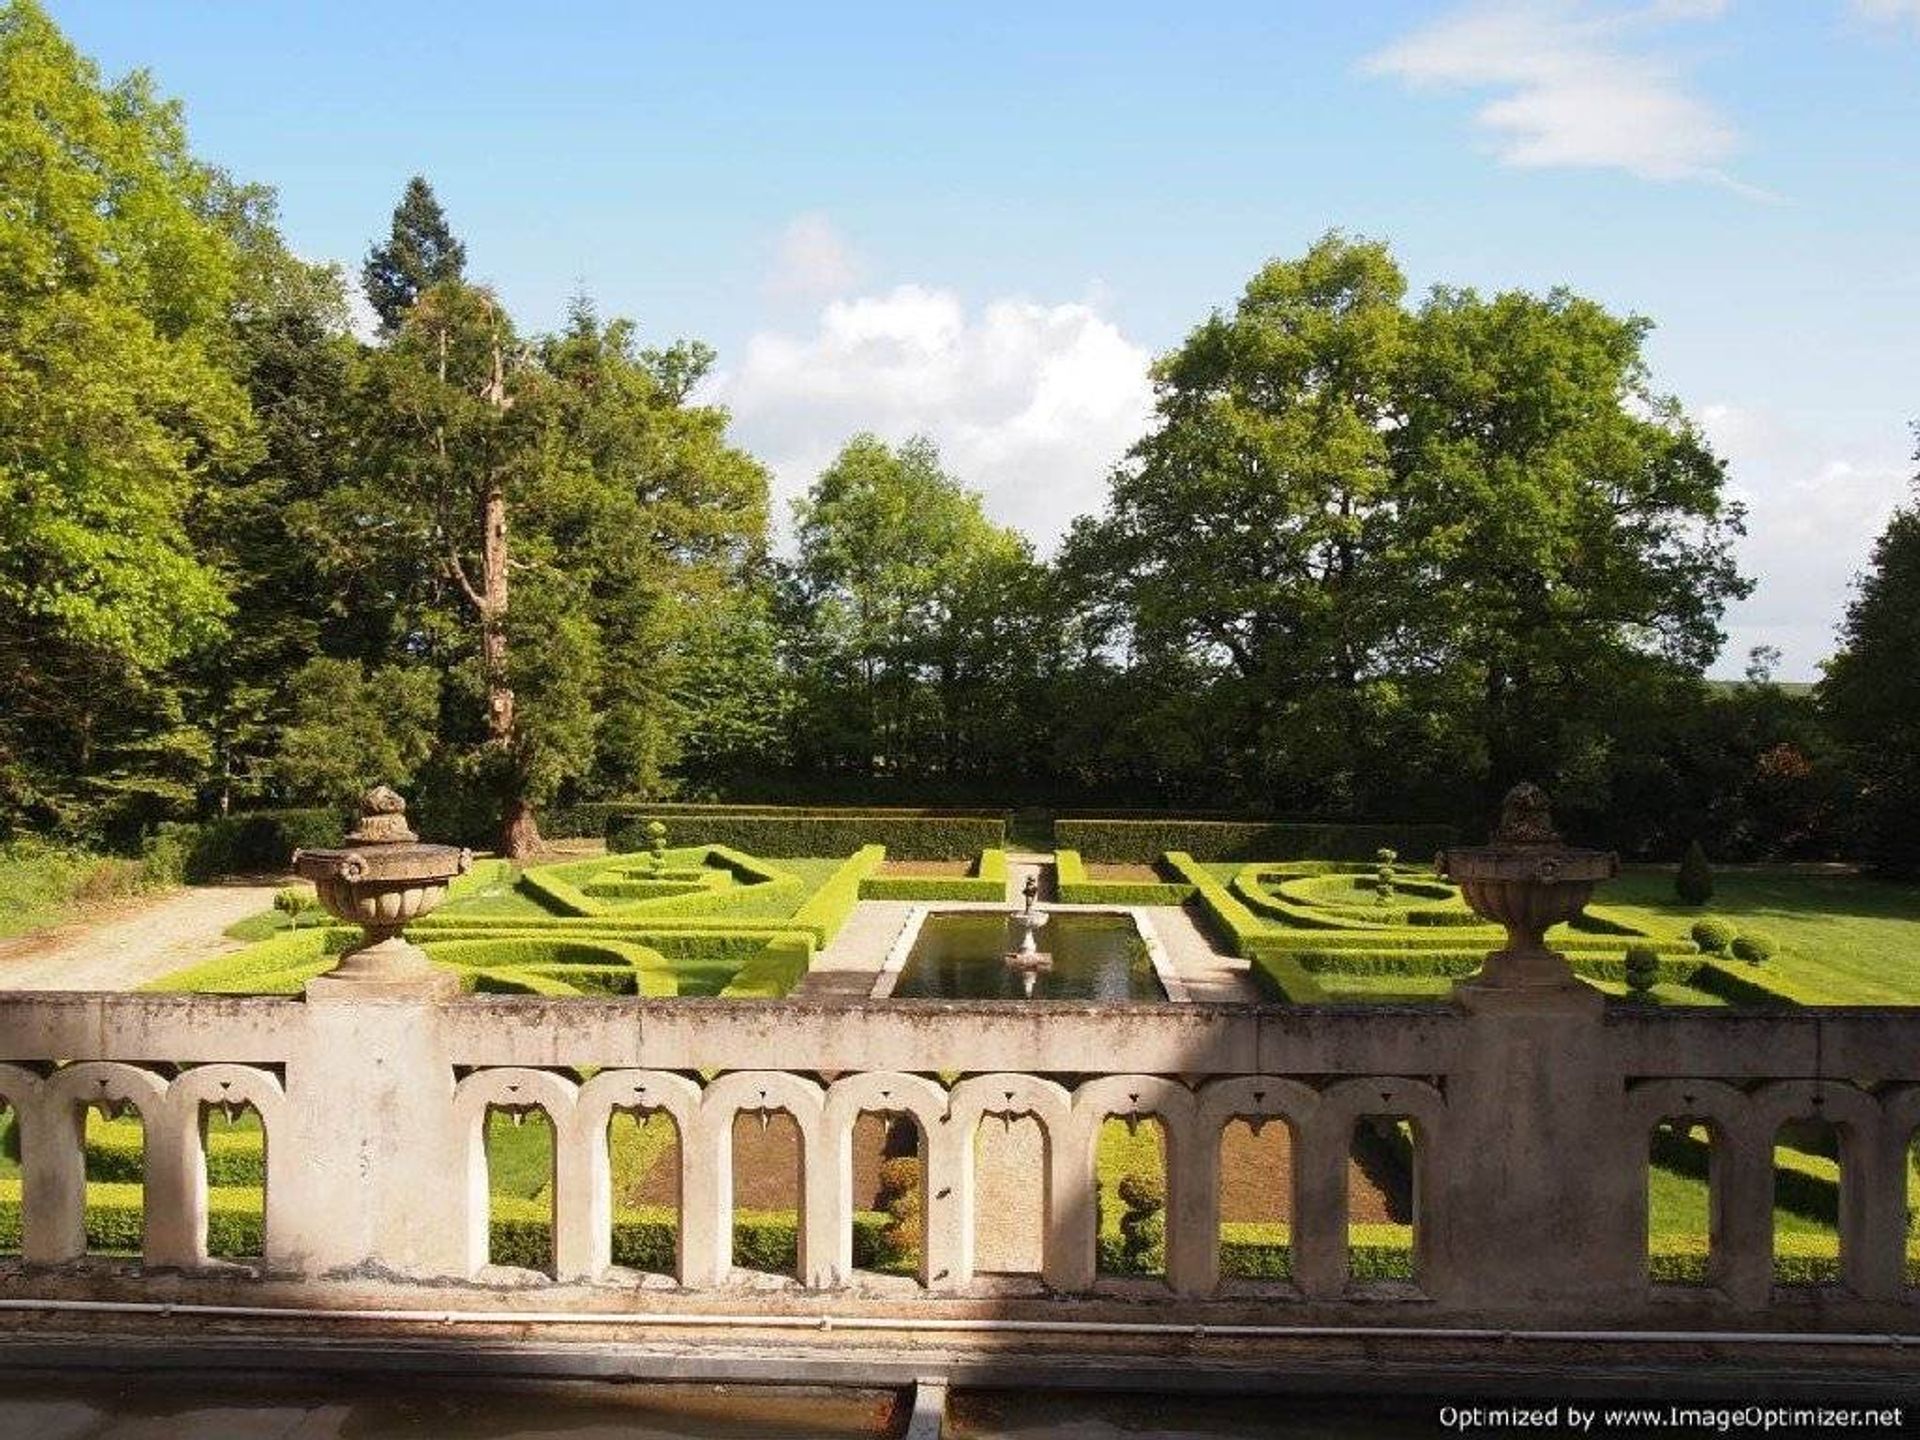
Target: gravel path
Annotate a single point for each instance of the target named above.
(128, 946)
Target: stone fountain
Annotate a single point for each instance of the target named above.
(382, 878)
(1026, 959)
(1526, 880)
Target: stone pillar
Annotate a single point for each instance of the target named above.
(1321, 1151)
(1873, 1212)
(1069, 1260)
(582, 1198)
(825, 1231)
(1534, 1189)
(53, 1179)
(1740, 1184)
(375, 1167)
(948, 1261)
(1193, 1208)
(175, 1194)
(706, 1200)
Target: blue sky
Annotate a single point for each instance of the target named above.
(980, 221)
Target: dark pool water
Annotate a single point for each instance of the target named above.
(961, 956)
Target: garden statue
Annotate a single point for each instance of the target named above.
(382, 878)
(1026, 959)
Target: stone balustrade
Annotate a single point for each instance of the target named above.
(1531, 1124)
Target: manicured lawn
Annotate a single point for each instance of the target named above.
(1844, 939)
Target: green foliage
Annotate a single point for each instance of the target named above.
(988, 882)
(420, 252)
(907, 836)
(40, 884)
(1870, 694)
(1642, 968)
(254, 842)
(1713, 936)
(1693, 882)
(351, 727)
(1753, 946)
(1147, 840)
(1078, 888)
(293, 902)
(1143, 1224)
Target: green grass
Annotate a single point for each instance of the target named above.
(1844, 939)
(42, 886)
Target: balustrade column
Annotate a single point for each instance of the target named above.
(949, 1206)
(825, 1231)
(583, 1199)
(1193, 1208)
(706, 1201)
(1322, 1147)
(1873, 1212)
(1740, 1185)
(1069, 1260)
(53, 1179)
(175, 1193)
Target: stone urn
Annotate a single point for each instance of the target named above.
(1527, 881)
(380, 879)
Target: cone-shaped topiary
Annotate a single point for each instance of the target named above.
(1694, 883)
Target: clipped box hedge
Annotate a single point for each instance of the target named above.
(988, 882)
(1078, 888)
(521, 1234)
(906, 835)
(1146, 840)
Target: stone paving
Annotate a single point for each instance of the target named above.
(847, 968)
(124, 951)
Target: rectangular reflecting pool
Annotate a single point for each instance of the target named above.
(962, 956)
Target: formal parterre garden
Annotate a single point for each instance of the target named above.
(1324, 914)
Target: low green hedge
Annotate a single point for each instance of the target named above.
(1078, 888)
(827, 909)
(116, 1225)
(907, 836)
(276, 966)
(619, 888)
(116, 1153)
(1147, 840)
(775, 970)
(988, 882)
(643, 1238)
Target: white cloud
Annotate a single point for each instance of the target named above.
(1029, 403)
(811, 261)
(1573, 86)
(1812, 517)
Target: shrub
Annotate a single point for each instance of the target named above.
(657, 839)
(1077, 888)
(253, 841)
(780, 965)
(899, 1201)
(988, 882)
(1642, 968)
(1713, 936)
(1147, 840)
(908, 836)
(1754, 947)
(1693, 883)
(1143, 1225)
(293, 902)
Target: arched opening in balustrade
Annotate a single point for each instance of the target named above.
(1682, 1156)
(889, 1219)
(234, 1140)
(116, 1169)
(1010, 1156)
(1807, 1158)
(643, 1167)
(768, 1186)
(9, 1180)
(1130, 1195)
(1383, 1201)
(1256, 1199)
(521, 1215)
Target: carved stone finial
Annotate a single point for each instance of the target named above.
(1526, 817)
(383, 800)
(383, 819)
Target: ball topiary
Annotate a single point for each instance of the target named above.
(1713, 936)
(1754, 947)
(293, 902)
(1643, 968)
(1694, 882)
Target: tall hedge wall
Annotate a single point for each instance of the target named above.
(835, 832)
(253, 842)
(1147, 840)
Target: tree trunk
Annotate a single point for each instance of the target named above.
(520, 831)
(493, 619)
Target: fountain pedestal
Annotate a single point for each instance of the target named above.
(1527, 881)
(381, 879)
